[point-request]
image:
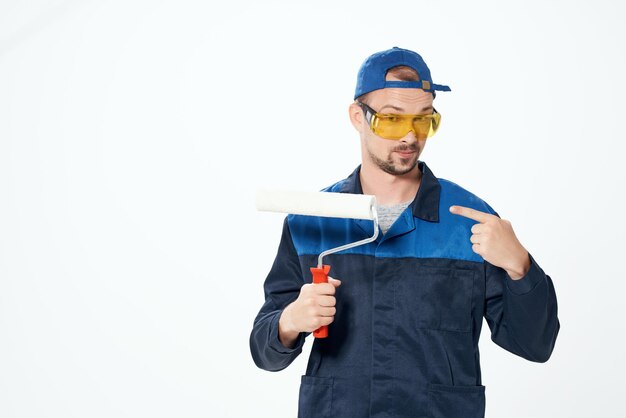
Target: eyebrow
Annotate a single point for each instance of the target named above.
(399, 109)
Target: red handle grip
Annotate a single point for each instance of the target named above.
(320, 275)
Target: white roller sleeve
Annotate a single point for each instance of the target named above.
(333, 205)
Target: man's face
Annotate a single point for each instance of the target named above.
(395, 157)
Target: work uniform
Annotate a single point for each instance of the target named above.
(404, 341)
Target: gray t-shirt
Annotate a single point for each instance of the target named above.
(387, 214)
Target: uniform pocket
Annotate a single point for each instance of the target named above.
(316, 396)
(438, 298)
(456, 401)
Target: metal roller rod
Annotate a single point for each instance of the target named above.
(352, 244)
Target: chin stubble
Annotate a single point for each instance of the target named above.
(388, 166)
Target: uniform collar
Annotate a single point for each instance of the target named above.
(426, 203)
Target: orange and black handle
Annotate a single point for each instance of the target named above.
(320, 275)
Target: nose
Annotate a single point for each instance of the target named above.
(410, 137)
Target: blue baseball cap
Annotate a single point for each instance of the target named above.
(374, 70)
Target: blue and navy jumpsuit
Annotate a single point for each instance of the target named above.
(404, 341)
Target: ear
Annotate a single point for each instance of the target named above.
(356, 116)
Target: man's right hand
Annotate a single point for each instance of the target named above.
(314, 308)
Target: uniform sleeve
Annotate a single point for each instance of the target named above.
(522, 314)
(282, 286)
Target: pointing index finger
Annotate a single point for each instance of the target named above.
(470, 213)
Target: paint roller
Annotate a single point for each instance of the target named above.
(327, 204)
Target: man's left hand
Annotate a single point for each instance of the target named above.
(494, 240)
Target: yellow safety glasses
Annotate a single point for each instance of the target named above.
(391, 126)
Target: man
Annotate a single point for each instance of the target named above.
(406, 316)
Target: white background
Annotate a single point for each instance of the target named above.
(133, 135)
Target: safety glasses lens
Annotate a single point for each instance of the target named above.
(398, 126)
